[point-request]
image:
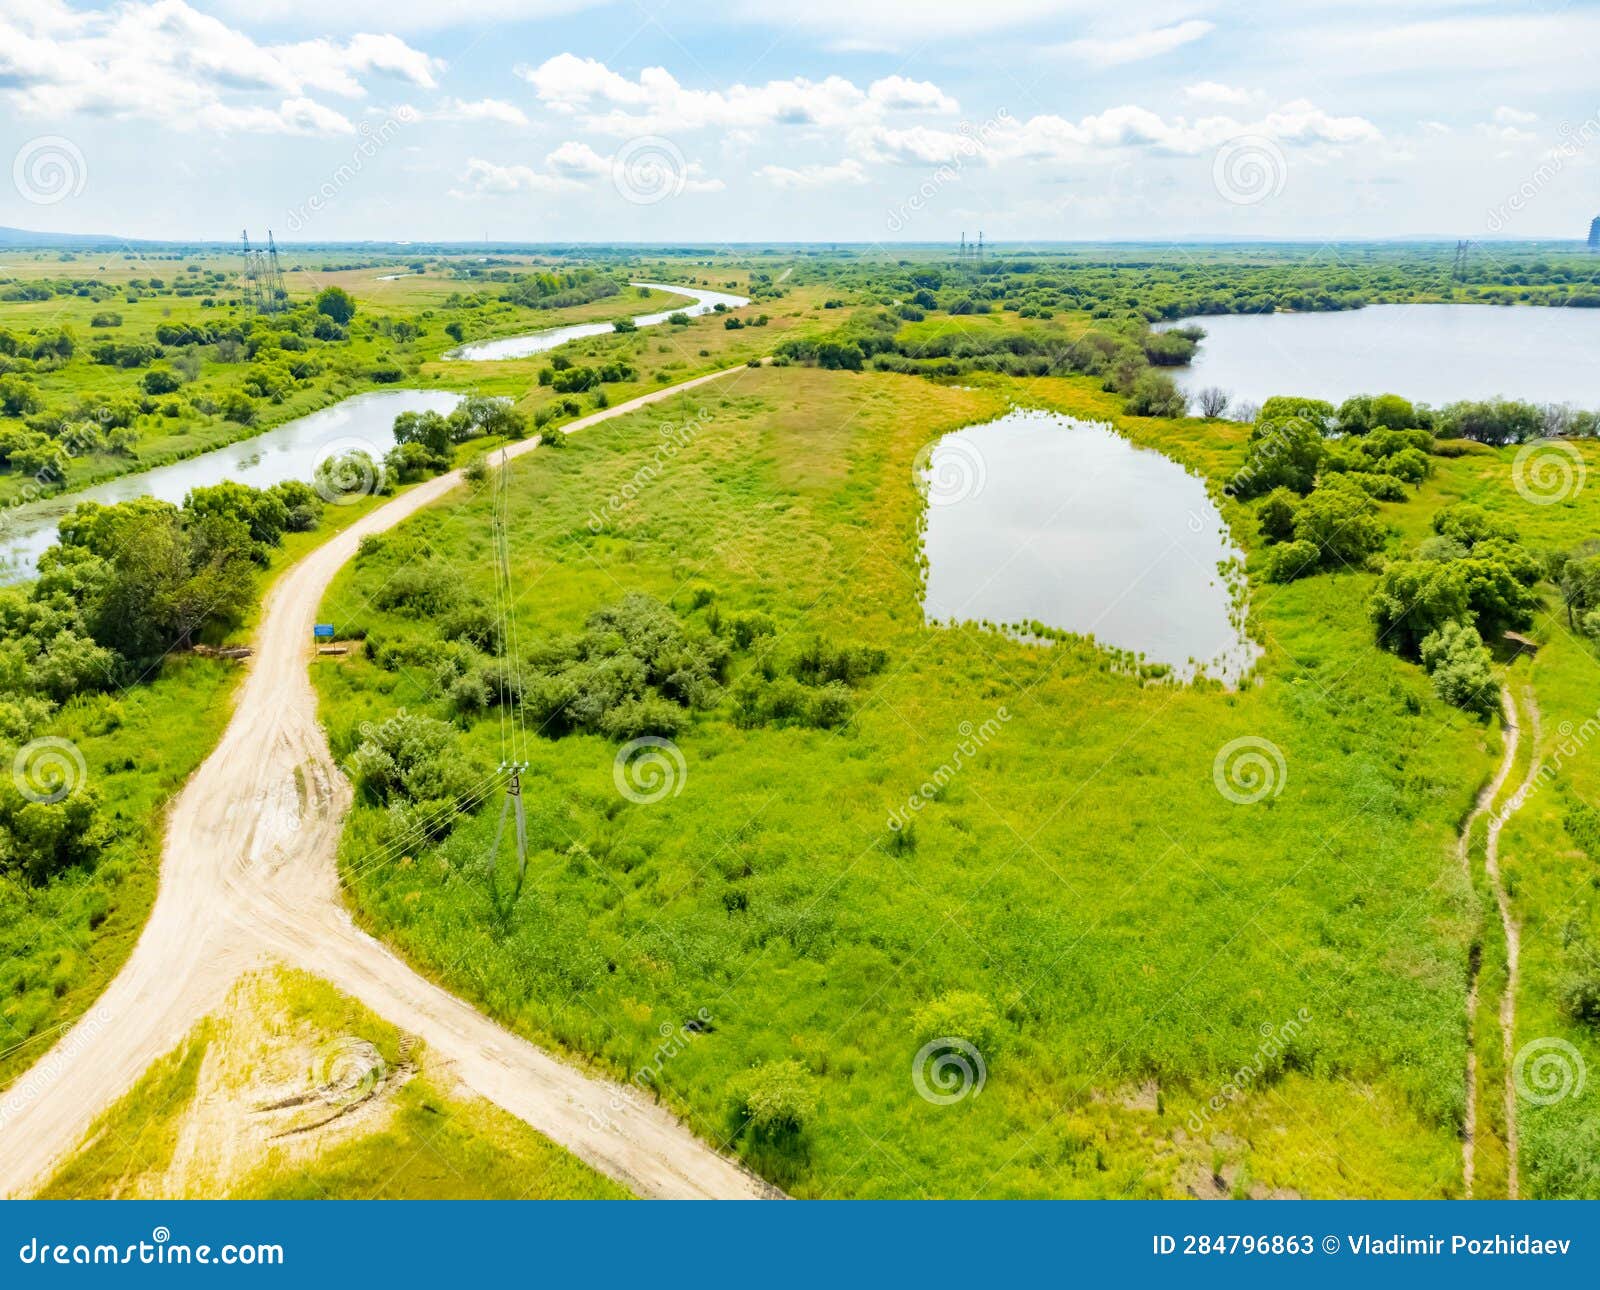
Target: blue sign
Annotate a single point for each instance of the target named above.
(323, 631)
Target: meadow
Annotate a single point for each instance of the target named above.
(1174, 993)
(879, 835)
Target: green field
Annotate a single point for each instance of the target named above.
(1124, 938)
(876, 836)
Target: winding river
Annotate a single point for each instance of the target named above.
(291, 451)
(538, 341)
(294, 450)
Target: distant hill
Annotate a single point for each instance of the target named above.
(22, 237)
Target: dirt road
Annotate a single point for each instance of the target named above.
(1513, 933)
(248, 876)
(1508, 998)
(1486, 799)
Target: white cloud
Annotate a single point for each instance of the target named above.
(1111, 134)
(578, 159)
(490, 179)
(656, 103)
(572, 167)
(162, 60)
(1514, 116)
(848, 171)
(1139, 45)
(899, 94)
(1215, 92)
(480, 110)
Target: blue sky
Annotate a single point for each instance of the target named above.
(847, 120)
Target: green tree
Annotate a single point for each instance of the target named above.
(336, 303)
(1342, 523)
(1463, 673)
(1282, 453)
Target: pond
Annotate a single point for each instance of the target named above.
(1427, 353)
(291, 451)
(539, 341)
(1037, 517)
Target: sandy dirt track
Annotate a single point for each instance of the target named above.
(248, 876)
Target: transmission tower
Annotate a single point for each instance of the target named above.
(1459, 270)
(277, 295)
(252, 280)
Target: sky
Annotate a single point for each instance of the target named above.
(875, 121)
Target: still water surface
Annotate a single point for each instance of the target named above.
(292, 451)
(1427, 353)
(1040, 517)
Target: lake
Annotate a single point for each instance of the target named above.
(1427, 353)
(1038, 517)
(537, 342)
(291, 451)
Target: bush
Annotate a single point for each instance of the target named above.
(160, 380)
(1276, 514)
(1462, 668)
(775, 1100)
(410, 759)
(960, 1014)
(337, 304)
(1291, 560)
(1155, 394)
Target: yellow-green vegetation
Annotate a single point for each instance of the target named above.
(77, 875)
(62, 940)
(296, 1092)
(1172, 992)
(114, 363)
